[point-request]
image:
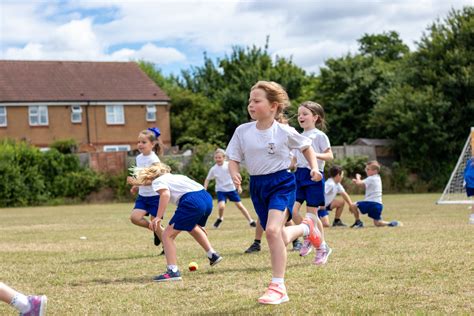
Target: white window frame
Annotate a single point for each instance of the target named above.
(114, 114)
(40, 113)
(151, 113)
(3, 116)
(76, 114)
(114, 148)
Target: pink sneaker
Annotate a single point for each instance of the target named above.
(306, 248)
(322, 255)
(38, 305)
(314, 234)
(274, 295)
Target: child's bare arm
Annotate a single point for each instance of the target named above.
(206, 183)
(358, 181)
(234, 170)
(346, 198)
(326, 155)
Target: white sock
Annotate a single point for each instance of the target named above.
(20, 302)
(279, 281)
(210, 253)
(251, 221)
(173, 267)
(312, 217)
(323, 245)
(305, 230)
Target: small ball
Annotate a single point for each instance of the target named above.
(193, 266)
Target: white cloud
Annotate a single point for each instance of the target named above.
(169, 31)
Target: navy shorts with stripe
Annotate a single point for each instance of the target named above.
(193, 209)
(324, 211)
(272, 191)
(232, 196)
(308, 190)
(372, 209)
(148, 203)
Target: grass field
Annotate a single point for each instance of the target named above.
(425, 267)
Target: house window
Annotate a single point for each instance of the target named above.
(150, 113)
(3, 116)
(114, 114)
(76, 114)
(38, 115)
(110, 148)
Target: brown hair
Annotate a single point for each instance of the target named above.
(316, 109)
(275, 93)
(334, 171)
(373, 165)
(156, 141)
(145, 175)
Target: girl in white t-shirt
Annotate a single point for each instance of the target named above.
(194, 205)
(225, 188)
(149, 145)
(311, 119)
(265, 145)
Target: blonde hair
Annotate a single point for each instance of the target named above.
(145, 175)
(156, 141)
(373, 165)
(275, 93)
(220, 151)
(316, 109)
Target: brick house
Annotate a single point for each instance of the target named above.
(102, 105)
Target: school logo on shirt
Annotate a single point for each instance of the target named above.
(271, 148)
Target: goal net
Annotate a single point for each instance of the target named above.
(455, 191)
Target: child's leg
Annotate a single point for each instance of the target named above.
(201, 237)
(275, 234)
(339, 205)
(24, 304)
(244, 211)
(380, 223)
(158, 229)
(318, 223)
(138, 218)
(255, 246)
(324, 220)
(7, 293)
(297, 218)
(355, 211)
(169, 235)
(221, 207)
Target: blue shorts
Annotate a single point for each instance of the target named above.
(272, 191)
(469, 191)
(233, 196)
(372, 209)
(324, 211)
(148, 204)
(193, 209)
(308, 190)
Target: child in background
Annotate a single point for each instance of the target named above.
(265, 145)
(332, 188)
(311, 119)
(146, 203)
(32, 305)
(469, 183)
(225, 188)
(372, 203)
(194, 205)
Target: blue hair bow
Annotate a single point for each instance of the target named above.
(155, 131)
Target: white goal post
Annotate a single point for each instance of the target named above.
(455, 191)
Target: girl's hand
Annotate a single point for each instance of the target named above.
(316, 175)
(130, 180)
(237, 179)
(358, 176)
(134, 190)
(239, 189)
(154, 223)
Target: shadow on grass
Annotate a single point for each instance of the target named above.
(90, 260)
(141, 280)
(247, 269)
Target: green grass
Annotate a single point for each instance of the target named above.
(425, 267)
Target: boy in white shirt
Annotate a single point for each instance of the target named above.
(372, 203)
(225, 188)
(332, 188)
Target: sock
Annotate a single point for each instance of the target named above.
(251, 221)
(305, 230)
(20, 302)
(312, 217)
(210, 253)
(323, 245)
(257, 241)
(173, 267)
(279, 281)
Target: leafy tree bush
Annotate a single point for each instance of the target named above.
(65, 146)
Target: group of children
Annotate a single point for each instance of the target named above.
(268, 147)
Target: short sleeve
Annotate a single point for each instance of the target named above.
(234, 148)
(157, 184)
(210, 174)
(296, 140)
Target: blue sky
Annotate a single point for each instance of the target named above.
(174, 34)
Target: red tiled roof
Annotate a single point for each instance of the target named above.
(38, 81)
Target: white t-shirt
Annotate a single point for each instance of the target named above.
(373, 188)
(331, 189)
(265, 151)
(320, 143)
(177, 184)
(224, 182)
(143, 162)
